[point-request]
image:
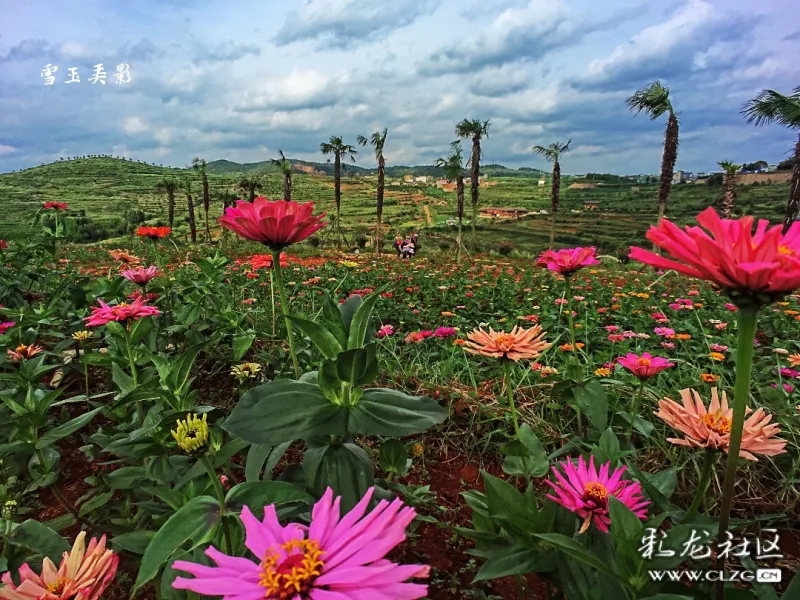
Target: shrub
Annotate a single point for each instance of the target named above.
(505, 248)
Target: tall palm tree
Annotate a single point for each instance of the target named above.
(339, 149)
(168, 186)
(378, 140)
(654, 101)
(187, 188)
(249, 184)
(552, 153)
(768, 107)
(728, 187)
(198, 164)
(474, 130)
(285, 167)
(454, 170)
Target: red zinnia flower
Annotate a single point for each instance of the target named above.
(154, 233)
(567, 260)
(276, 224)
(54, 205)
(120, 313)
(3, 245)
(732, 257)
(264, 261)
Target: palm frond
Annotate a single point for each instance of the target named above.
(772, 107)
(653, 101)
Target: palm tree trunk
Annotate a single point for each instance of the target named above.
(252, 192)
(554, 191)
(379, 210)
(476, 158)
(287, 187)
(793, 206)
(171, 207)
(729, 194)
(192, 224)
(206, 206)
(667, 166)
(460, 214)
(337, 195)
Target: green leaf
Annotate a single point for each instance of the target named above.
(506, 503)
(359, 366)
(125, 478)
(533, 456)
(334, 314)
(122, 379)
(258, 494)
(195, 521)
(40, 539)
(323, 339)
(135, 541)
(241, 344)
(95, 502)
(284, 411)
(625, 526)
(573, 549)
(609, 445)
(257, 455)
(361, 320)
(347, 310)
(591, 399)
(383, 411)
(393, 457)
(139, 329)
(346, 468)
(516, 560)
(67, 428)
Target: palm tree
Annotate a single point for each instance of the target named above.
(285, 167)
(198, 164)
(654, 102)
(378, 140)
(168, 186)
(454, 170)
(475, 130)
(249, 184)
(768, 107)
(187, 188)
(338, 148)
(552, 153)
(728, 187)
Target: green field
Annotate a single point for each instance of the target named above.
(107, 190)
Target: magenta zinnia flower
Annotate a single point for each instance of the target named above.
(6, 326)
(644, 366)
(276, 224)
(140, 275)
(120, 312)
(384, 331)
(444, 332)
(335, 558)
(732, 256)
(568, 260)
(584, 490)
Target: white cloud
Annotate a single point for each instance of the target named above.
(6, 149)
(134, 125)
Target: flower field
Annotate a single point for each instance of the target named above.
(260, 418)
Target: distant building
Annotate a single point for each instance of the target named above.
(440, 183)
(541, 183)
(680, 177)
(503, 213)
(421, 179)
(408, 178)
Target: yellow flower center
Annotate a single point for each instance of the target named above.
(643, 362)
(717, 422)
(291, 572)
(57, 587)
(786, 250)
(505, 342)
(596, 492)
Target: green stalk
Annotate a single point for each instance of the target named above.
(572, 326)
(747, 323)
(276, 266)
(637, 395)
(220, 492)
(705, 477)
(272, 299)
(510, 392)
(132, 363)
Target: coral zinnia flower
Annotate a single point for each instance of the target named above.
(644, 366)
(276, 224)
(140, 275)
(568, 260)
(794, 360)
(711, 428)
(120, 312)
(264, 261)
(732, 256)
(124, 257)
(84, 574)
(154, 233)
(517, 345)
(54, 205)
(23, 352)
(585, 490)
(335, 557)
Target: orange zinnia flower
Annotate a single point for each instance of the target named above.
(84, 574)
(517, 345)
(709, 377)
(794, 360)
(711, 428)
(568, 347)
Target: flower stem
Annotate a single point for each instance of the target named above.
(747, 323)
(132, 363)
(272, 298)
(510, 392)
(220, 492)
(276, 266)
(705, 477)
(637, 396)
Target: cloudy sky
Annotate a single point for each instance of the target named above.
(241, 79)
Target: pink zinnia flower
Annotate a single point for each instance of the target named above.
(666, 332)
(668, 345)
(140, 275)
(567, 260)
(444, 332)
(615, 337)
(384, 331)
(339, 558)
(644, 366)
(54, 205)
(611, 328)
(732, 256)
(718, 348)
(120, 313)
(6, 326)
(276, 224)
(584, 490)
